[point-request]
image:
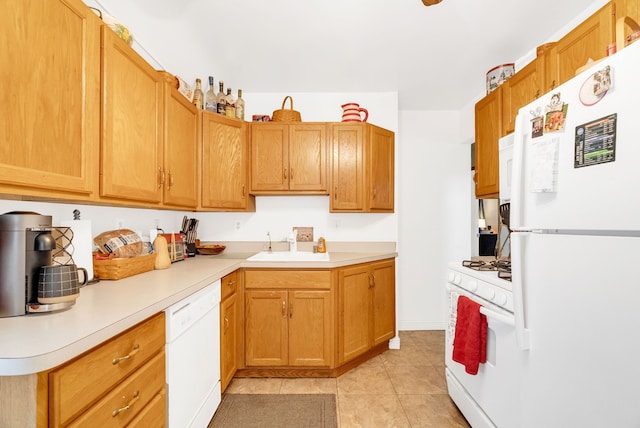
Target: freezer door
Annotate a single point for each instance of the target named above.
(581, 297)
(548, 189)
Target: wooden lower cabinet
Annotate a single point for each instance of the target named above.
(288, 319)
(113, 383)
(317, 322)
(230, 329)
(366, 307)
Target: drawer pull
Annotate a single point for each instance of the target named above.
(133, 352)
(136, 397)
(231, 283)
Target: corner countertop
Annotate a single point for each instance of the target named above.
(39, 342)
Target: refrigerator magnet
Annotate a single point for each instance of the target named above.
(555, 114)
(596, 86)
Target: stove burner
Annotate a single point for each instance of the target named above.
(503, 267)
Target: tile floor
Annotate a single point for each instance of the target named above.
(399, 388)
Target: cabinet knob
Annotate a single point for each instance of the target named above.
(553, 84)
(161, 177)
(284, 174)
(284, 309)
(290, 310)
(170, 179)
(291, 174)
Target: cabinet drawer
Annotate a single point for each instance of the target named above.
(153, 415)
(307, 279)
(77, 385)
(229, 285)
(118, 407)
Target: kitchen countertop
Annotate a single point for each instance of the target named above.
(39, 342)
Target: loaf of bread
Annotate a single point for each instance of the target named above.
(122, 243)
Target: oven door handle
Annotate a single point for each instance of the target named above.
(498, 317)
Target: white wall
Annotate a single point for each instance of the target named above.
(434, 204)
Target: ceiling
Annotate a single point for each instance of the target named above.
(435, 58)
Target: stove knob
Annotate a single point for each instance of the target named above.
(457, 279)
(490, 293)
(501, 299)
(473, 286)
(451, 276)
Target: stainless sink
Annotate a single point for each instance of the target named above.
(286, 256)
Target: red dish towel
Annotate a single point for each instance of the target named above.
(470, 340)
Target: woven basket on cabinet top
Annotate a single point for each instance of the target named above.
(289, 115)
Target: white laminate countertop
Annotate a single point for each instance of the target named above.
(39, 342)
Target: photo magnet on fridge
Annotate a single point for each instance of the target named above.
(596, 86)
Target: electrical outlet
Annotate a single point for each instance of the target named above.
(237, 224)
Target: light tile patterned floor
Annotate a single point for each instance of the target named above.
(399, 388)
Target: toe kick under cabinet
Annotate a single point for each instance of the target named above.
(119, 383)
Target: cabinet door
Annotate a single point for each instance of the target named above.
(308, 157)
(381, 169)
(132, 127)
(347, 168)
(589, 40)
(384, 301)
(224, 164)
(310, 332)
(50, 95)
(266, 328)
(521, 89)
(269, 157)
(228, 339)
(354, 306)
(630, 8)
(488, 124)
(180, 150)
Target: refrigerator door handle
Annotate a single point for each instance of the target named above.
(517, 175)
(523, 334)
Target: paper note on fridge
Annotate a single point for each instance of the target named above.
(544, 168)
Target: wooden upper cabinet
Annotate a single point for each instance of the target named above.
(288, 158)
(50, 92)
(521, 89)
(362, 169)
(180, 149)
(225, 164)
(132, 125)
(488, 129)
(589, 40)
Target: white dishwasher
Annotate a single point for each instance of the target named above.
(193, 358)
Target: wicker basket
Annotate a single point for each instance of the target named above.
(283, 115)
(122, 268)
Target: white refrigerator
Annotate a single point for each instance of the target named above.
(575, 249)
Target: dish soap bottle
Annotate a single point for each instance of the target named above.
(322, 245)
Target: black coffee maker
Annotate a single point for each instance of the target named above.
(26, 245)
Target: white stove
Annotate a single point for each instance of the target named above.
(485, 284)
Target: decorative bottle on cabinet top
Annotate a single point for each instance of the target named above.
(240, 106)
(230, 104)
(198, 95)
(220, 98)
(210, 103)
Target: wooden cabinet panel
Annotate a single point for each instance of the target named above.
(132, 124)
(384, 301)
(488, 129)
(355, 312)
(180, 150)
(153, 415)
(229, 339)
(288, 318)
(362, 169)
(74, 391)
(288, 158)
(521, 89)
(225, 165)
(50, 96)
(266, 328)
(269, 157)
(589, 40)
(122, 403)
(366, 307)
(310, 329)
(381, 169)
(347, 168)
(308, 157)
